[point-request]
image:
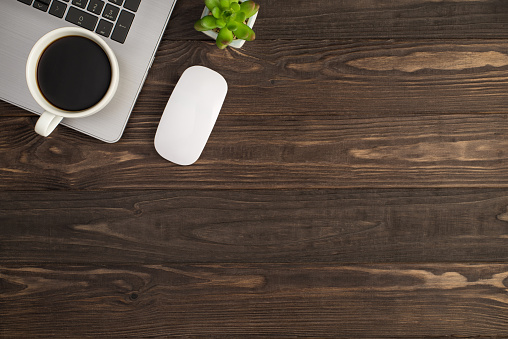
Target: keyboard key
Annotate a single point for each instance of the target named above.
(46, 2)
(80, 3)
(58, 9)
(81, 18)
(104, 28)
(95, 6)
(40, 5)
(132, 5)
(122, 26)
(116, 2)
(111, 12)
(28, 2)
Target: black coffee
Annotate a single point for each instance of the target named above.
(73, 73)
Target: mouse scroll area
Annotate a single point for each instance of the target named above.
(190, 115)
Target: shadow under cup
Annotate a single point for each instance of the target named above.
(73, 73)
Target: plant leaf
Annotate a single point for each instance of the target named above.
(235, 7)
(232, 26)
(206, 23)
(224, 38)
(211, 4)
(224, 4)
(249, 8)
(244, 32)
(216, 12)
(240, 17)
(220, 23)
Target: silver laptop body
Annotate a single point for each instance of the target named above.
(21, 25)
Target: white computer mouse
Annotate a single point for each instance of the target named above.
(190, 115)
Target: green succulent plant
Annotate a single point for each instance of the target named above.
(229, 17)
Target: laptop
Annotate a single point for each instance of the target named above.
(132, 28)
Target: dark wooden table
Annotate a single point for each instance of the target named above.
(355, 185)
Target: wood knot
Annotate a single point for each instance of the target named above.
(503, 216)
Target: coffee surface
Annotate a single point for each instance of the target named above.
(74, 73)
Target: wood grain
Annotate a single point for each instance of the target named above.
(361, 19)
(346, 226)
(335, 78)
(285, 152)
(251, 300)
(354, 186)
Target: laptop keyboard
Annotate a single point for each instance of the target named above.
(111, 19)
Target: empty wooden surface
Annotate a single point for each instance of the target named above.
(355, 185)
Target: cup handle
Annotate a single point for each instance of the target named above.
(47, 123)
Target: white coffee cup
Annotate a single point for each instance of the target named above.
(53, 115)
